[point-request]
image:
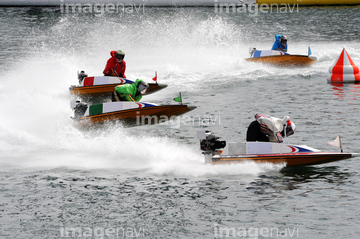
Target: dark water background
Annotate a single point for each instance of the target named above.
(57, 181)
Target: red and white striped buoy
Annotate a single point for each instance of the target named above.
(344, 70)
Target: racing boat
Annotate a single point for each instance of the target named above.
(95, 86)
(130, 113)
(264, 152)
(280, 58)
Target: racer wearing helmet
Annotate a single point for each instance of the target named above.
(280, 43)
(116, 65)
(119, 55)
(289, 128)
(270, 129)
(130, 92)
(143, 88)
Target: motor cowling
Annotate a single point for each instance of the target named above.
(211, 143)
(79, 109)
(81, 76)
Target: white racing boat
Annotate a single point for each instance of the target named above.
(130, 113)
(264, 152)
(102, 86)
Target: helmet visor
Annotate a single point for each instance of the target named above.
(143, 92)
(119, 57)
(143, 88)
(290, 129)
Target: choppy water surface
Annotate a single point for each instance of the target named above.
(151, 182)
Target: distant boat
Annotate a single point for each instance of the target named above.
(308, 2)
(281, 59)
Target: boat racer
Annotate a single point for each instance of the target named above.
(280, 43)
(116, 65)
(270, 129)
(130, 92)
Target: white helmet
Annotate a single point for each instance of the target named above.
(289, 128)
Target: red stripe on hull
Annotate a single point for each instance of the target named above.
(89, 81)
(107, 89)
(291, 160)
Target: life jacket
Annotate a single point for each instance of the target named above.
(271, 126)
(114, 68)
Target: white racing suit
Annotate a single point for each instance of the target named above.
(272, 127)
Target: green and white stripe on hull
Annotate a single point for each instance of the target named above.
(114, 106)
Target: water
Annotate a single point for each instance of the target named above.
(151, 181)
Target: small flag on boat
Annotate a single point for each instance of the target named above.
(155, 78)
(178, 99)
(336, 143)
(309, 51)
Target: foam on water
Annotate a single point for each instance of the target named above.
(38, 133)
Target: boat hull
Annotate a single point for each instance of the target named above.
(285, 60)
(290, 160)
(139, 116)
(106, 90)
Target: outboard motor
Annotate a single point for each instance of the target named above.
(252, 51)
(79, 109)
(81, 76)
(210, 144)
